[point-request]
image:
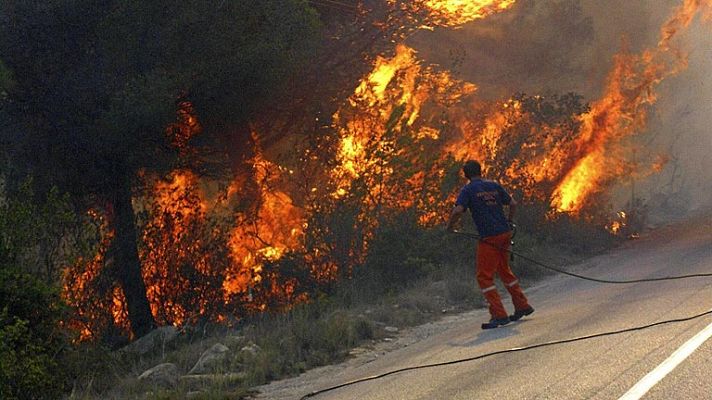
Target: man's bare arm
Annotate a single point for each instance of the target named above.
(455, 217)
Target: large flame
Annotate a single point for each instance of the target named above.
(452, 13)
(457, 12)
(175, 254)
(621, 112)
(85, 290)
(385, 108)
(275, 228)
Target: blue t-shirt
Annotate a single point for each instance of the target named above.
(484, 199)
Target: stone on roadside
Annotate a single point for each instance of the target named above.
(390, 329)
(164, 375)
(210, 359)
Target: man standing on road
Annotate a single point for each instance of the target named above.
(485, 200)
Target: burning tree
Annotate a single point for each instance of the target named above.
(97, 83)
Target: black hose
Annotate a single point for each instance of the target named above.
(510, 350)
(535, 346)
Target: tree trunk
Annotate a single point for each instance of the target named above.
(128, 266)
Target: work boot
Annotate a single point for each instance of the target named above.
(518, 314)
(495, 322)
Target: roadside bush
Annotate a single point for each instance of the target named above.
(459, 290)
(31, 341)
(310, 335)
(39, 234)
(403, 252)
(578, 236)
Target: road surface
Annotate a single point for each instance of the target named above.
(603, 368)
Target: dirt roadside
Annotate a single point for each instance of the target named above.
(286, 388)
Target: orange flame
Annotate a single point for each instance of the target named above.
(452, 13)
(276, 228)
(396, 82)
(621, 112)
(82, 287)
(169, 243)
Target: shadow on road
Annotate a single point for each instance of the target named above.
(491, 335)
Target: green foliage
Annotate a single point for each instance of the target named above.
(399, 254)
(39, 235)
(30, 338)
(235, 55)
(402, 252)
(92, 367)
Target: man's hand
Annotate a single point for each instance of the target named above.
(455, 217)
(450, 226)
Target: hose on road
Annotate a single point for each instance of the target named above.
(510, 350)
(538, 345)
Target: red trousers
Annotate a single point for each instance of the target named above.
(492, 260)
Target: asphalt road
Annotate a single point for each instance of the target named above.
(602, 368)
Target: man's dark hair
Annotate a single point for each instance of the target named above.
(472, 169)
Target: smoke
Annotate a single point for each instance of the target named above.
(679, 128)
(534, 47)
(682, 129)
(559, 45)
(568, 46)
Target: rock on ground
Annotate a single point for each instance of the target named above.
(165, 375)
(210, 359)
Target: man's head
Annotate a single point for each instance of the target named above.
(472, 169)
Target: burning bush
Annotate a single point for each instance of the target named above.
(285, 227)
(185, 253)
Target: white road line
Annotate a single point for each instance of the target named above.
(645, 384)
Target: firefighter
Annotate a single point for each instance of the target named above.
(486, 200)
